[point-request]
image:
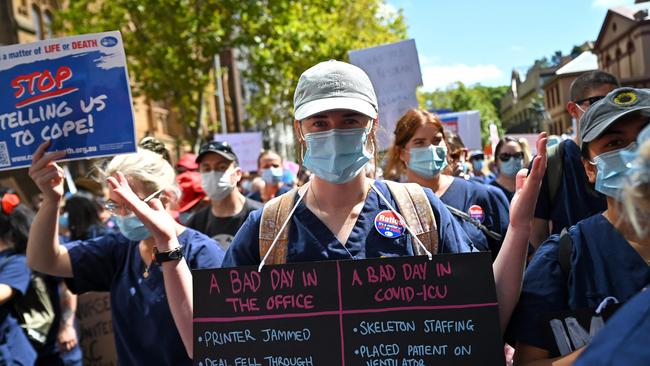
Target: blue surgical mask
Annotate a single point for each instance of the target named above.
(465, 167)
(478, 165)
(272, 175)
(337, 156)
(132, 228)
(613, 169)
(64, 220)
(511, 167)
(427, 162)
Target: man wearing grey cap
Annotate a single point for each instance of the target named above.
(340, 213)
(599, 257)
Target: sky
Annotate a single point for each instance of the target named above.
(482, 41)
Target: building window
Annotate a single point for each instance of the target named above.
(619, 56)
(38, 22)
(47, 24)
(630, 51)
(614, 27)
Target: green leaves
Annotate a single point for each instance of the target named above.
(291, 36)
(459, 98)
(170, 44)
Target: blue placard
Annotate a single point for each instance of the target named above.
(73, 91)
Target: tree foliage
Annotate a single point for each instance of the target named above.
(485, 99)
(170, 44)
(292, 36)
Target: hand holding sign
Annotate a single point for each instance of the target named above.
(47, 175)
(153, 214)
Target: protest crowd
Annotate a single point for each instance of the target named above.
(566, 228)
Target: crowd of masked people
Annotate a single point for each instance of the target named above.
(568, 234)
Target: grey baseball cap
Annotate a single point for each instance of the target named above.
(617, 104)
(334, 85)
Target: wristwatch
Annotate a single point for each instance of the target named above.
(170, 255)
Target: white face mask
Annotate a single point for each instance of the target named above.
(217, 185)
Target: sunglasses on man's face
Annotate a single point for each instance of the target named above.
(504, 157)
(590, 100)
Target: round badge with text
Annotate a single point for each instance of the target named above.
(389, 225)
(476, 212)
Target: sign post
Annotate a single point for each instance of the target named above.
(389, 311)
(72, 91)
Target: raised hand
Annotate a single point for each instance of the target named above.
(522, 207)
(47, 175)
(152, 214)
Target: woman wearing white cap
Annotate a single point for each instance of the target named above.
(333, 216)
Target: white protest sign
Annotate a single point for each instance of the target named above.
(72, 91)
(246, 145)
(394, 70)
(530, 137)
(467, 125)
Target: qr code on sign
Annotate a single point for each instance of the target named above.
(4, 155)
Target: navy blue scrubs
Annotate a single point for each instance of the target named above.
(503, 189)
(624, 340)
(465, 195)
(485, 179)
(145, 333)
(575, 199)
(602, 263)
(15, 348)
(311, 240)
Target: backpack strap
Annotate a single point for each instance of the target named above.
(564, 253)
(416, 209)
(274, 214)
(554, 170)
(464, 216)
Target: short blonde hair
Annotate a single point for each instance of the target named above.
(148, 168)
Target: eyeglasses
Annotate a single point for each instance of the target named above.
(591, 100)
(504, 157)
(120, 210)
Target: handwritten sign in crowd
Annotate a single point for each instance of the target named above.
(72, 91)
(394, 70)
(96, 329)
(389, 311)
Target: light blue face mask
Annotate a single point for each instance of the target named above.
(478, 164)
(427, 162)
(465, 166)
(511, 167)
(132, 228)
(337, 156)
(613, 170)
(272, 175)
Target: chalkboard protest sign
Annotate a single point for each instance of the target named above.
(388, 311)
(72, 91)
